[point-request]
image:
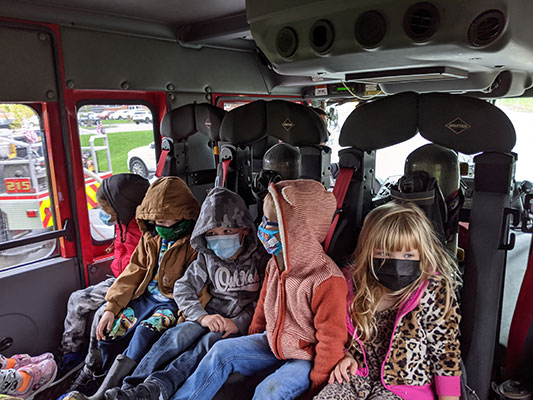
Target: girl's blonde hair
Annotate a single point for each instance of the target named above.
(395, 227)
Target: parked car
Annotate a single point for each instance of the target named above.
(87, 119)
(5, 123)
(105, 114)
(142, 116)
(121, 114)
(141, 160)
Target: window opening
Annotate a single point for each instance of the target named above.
(25, 199)
(114, 139)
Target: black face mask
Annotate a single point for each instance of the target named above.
(396, 274)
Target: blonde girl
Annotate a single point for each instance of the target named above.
(403, 317)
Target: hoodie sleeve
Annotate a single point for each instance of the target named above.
(443, 344)
(187, 287)
(258, 324)
(121, 291)
(328, 306)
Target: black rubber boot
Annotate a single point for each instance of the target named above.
(122, 367)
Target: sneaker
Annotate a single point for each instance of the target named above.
(42, 375)
(66, 362)
(24, 359)
(86, 382)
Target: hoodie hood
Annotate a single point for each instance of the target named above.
(223, 208)
(305, 210)
(167, 198)
(124, 192)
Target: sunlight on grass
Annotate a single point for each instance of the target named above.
(119, 145)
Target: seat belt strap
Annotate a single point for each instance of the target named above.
(225, 168)
(340, 190)
(161, 163)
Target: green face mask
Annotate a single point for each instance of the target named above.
(176, 231)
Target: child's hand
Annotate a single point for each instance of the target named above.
(215, 322)
(230, 328)
(105, 324)
(341, 369)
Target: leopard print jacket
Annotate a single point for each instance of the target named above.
(424, 345)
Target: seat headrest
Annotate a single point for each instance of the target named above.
(289, 122)
(186, 120)
(381, 123)
(245, 124)
(465, 124)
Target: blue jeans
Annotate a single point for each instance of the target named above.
(172, 358)
(247, 355)
(135, 340)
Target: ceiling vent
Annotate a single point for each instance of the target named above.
(321, 36)
(370, 29)
(421, 21)
(486, 28)
(286, 42)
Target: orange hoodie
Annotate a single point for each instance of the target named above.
(302, 308)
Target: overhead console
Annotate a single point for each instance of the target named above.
(438, 45)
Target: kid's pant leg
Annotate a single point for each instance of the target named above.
(173, 376)
(148, 331)
(358, 388)
(247, 355)
(80, 304)
(171, 344)
(288, 382)
(93, 359)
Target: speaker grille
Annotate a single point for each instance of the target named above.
(486, 28)
(370, 29)
(421, 21)
(321, 36)
(286, 42)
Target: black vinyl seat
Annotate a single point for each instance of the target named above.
(247, 132)
(467, 125)
(189, 135)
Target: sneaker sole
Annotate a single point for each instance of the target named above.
(44, 386)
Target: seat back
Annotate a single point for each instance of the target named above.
(247, 132)
(467, 125)
(189, 136)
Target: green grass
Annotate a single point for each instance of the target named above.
(115, 121)
(119, 145)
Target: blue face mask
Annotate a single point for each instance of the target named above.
(224, 246)
(105, 218)
(266, 236)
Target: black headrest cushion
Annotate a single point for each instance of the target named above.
(292, 123)
(186, 120)
(245, 124)
(381, 123)
(295, 124)
(465, 124)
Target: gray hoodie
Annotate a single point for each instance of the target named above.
(234, 284)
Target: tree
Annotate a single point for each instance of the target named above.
(16, 113)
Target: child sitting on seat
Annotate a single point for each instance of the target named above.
(118, 196)
(404, 313)
(298, 328)
(22, 376)
(140, 306)
(231, 262)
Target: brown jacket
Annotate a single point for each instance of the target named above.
(167, 198)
